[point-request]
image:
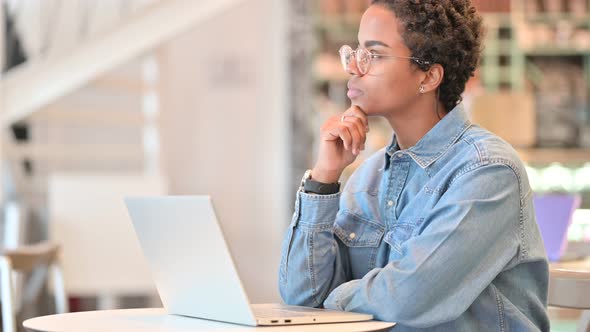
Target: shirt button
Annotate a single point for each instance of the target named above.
(389, 203)
(352, 236)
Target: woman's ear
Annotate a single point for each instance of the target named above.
(433, 78)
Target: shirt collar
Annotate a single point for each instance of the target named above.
(436, 141)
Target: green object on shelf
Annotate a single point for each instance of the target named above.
(502, 63)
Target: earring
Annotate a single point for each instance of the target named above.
(421, 88)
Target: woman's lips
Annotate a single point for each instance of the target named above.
(354, 93)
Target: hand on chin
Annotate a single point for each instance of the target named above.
(360, 105)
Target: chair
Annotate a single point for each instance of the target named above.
(87, 209)
(26, 259)
(570, 288)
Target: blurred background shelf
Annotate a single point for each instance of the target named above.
(556, 18)
(551, 155)
(556, 51)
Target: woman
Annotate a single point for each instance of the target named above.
(437, 231)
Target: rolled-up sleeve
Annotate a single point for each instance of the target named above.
(469, 237)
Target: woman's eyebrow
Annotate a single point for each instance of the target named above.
(370, 43)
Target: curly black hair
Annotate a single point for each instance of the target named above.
(447, 32)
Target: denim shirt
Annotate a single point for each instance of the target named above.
(438, 237)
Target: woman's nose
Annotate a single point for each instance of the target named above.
(352, 68)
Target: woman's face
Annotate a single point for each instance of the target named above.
(391, 84)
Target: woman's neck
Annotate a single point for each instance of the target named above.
(413, 123)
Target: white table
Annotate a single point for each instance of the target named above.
(146, 320)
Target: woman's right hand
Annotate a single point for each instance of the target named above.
(342, 138)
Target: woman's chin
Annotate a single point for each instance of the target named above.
(363, 106)
(359, 104)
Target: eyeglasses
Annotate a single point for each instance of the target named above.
(363, 58)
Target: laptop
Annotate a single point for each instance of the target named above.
(194, 271)
(554, 214)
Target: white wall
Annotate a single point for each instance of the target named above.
(224, 131)
(2, 60)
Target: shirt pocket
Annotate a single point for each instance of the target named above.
(361, 238)
(355, 231)
(400, 233)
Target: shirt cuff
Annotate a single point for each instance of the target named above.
(318, 209)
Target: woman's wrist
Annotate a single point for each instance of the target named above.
(325, 176)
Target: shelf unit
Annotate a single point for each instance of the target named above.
(518, 39)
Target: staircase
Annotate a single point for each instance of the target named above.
(108, 125)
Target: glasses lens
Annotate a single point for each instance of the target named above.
(363, 60)
(345, 56)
